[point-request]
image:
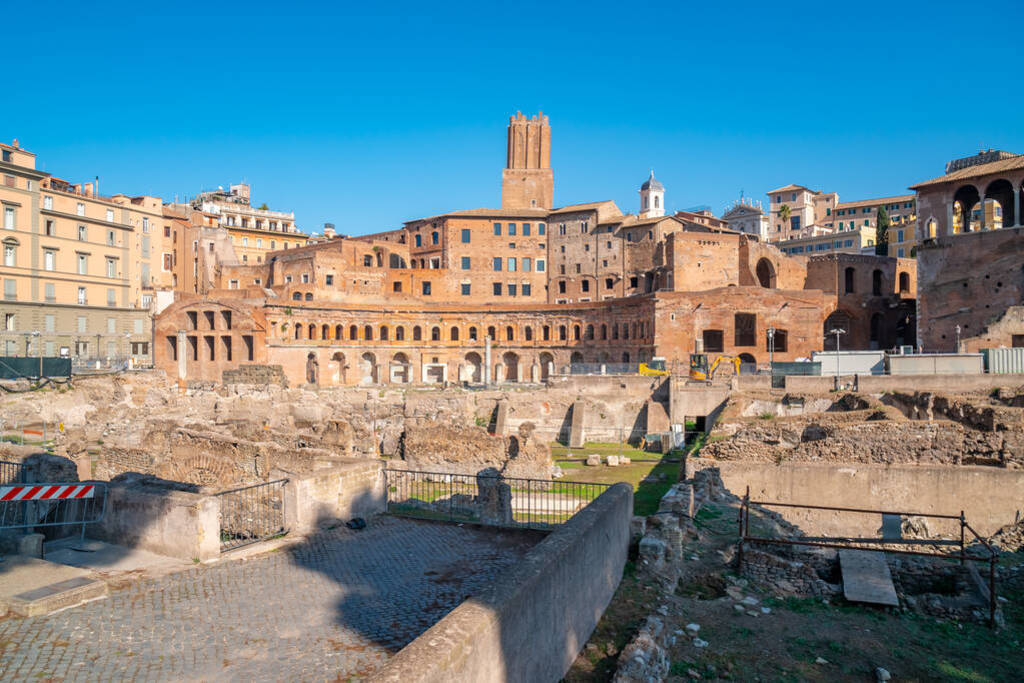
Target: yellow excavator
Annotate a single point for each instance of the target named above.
(701, 371)
(654, 367)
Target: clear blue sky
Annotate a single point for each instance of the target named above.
(386, 112)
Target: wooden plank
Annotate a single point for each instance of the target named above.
(866, 578)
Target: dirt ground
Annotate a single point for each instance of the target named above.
(790, 641)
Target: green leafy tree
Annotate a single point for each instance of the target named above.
(784, 213)
(882, 233)
(263, 206)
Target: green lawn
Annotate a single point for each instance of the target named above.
(660, 471)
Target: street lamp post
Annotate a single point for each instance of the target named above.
(837, 331)
(771, 347)
(956, 349)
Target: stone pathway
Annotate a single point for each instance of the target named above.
(335, 606)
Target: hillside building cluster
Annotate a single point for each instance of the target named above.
(509, 294)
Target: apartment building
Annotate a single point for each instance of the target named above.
(860, 240)
(902, 212)
(254, 231)
(807, 210)
(816, 218)
(79, 269)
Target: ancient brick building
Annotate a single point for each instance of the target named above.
(971, 253)
(516, 293)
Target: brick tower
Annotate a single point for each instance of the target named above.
(527, 181)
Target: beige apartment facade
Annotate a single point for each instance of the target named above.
(807, 209)
(79, 269)
(255, 231)
(902, 212)
(854, 241)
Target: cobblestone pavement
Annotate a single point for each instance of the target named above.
(335, 606)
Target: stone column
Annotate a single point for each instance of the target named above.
(494, 497)
(487, 360)
(182, 349)
(982, 223)
(949, 219)
(1016, 209)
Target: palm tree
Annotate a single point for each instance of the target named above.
(784, 213)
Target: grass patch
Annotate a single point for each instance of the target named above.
(650, 474)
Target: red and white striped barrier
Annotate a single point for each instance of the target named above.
(46, 492)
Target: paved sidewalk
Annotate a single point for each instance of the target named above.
(335, 606)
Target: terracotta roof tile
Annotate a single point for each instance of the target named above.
(1000, 166)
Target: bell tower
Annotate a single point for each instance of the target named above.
(652, 198)
(527, 181)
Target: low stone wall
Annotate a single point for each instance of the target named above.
(355, 488)
(785, 576)
(256, 374)
(531, 624)
(160, 516)
(989, 496)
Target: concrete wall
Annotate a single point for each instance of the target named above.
(695, 401)
(860, 362)
(341, 492)
(989, 496)
(149, 513)
(532, 622)
(937, 364)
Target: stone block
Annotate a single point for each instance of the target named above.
(593, 460)
(31, 545)
(652, 550)
(612, 461)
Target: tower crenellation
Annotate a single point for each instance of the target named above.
(527, 181)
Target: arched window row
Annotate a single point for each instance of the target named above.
(554, 333)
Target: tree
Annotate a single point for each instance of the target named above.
(263, 207)
(784, 213)
(882, 233)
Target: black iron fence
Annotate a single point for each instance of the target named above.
(251, 514)
(493, 500)
(963, 549)
(11, 516)
(11, 472)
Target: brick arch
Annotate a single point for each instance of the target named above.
(204, 469)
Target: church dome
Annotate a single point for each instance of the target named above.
(652, 184)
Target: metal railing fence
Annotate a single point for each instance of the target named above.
(11, 472)
(250, 514)
(39, 505)
(604, 368)
(959, 548)
(486, 499)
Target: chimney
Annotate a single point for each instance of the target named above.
(14, 144)
(87, 189)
